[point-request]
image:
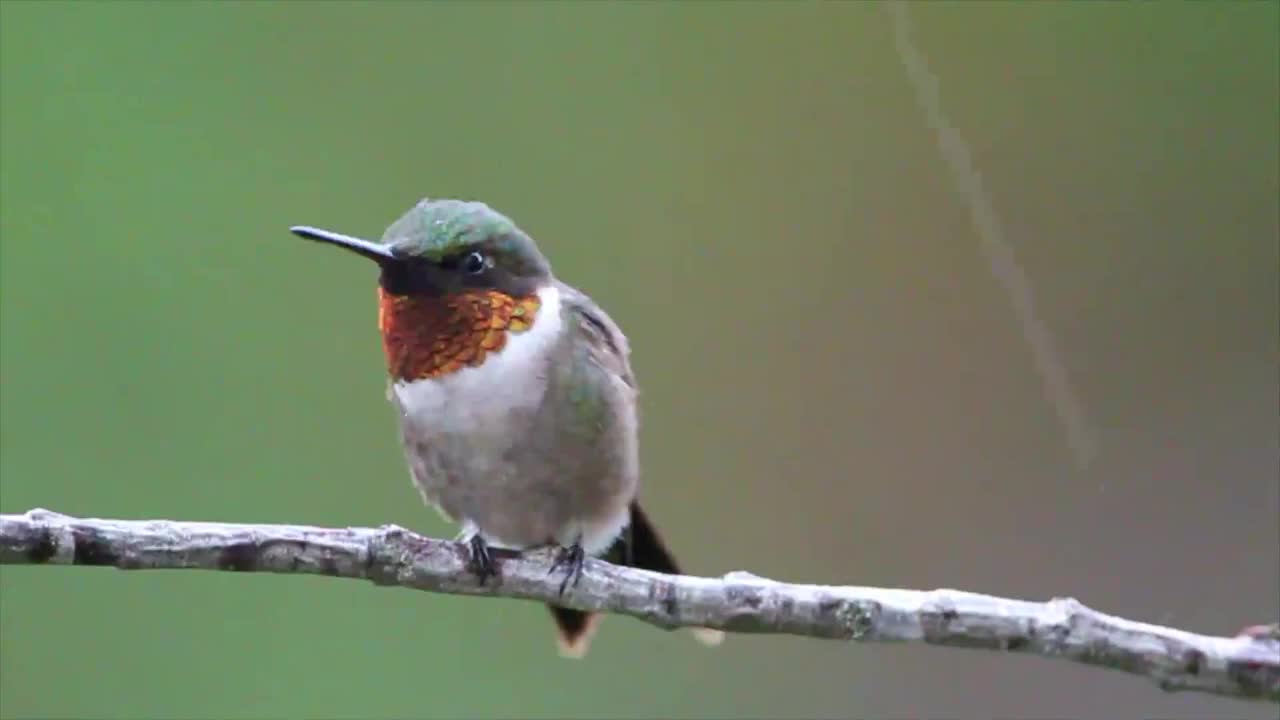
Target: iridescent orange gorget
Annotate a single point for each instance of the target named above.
(428, 336)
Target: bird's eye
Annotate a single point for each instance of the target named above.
(474, 264)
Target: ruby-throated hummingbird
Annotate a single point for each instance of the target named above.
(514, 395)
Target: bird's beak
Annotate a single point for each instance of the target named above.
(378, 253)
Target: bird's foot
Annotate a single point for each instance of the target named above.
(571, 558)
(481, 561)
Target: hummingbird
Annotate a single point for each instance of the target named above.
(514, 396)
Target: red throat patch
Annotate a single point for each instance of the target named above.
(426, 337)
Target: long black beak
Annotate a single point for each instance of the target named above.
(371, 250)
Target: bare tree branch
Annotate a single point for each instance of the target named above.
(1246, 666)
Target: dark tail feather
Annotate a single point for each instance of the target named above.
(639, 547)
(574, 629)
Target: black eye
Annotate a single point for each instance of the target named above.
(474, 264)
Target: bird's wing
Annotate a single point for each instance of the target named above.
(603, 341)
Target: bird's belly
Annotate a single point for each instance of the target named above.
(494, 486)
(495, 464)
(461, 442)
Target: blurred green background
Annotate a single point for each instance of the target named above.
(835, 386)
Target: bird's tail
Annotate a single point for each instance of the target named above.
(639, 547)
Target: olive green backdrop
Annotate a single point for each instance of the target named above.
(836, 387)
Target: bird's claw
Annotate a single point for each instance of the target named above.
(481, 561)
(572, 558)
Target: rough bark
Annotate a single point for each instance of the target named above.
(1246, 666)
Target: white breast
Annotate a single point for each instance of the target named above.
(477, 399)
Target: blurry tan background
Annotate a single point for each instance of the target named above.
(836, 387)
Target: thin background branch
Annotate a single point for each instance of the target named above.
(1004, 266)
(1246, 666)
